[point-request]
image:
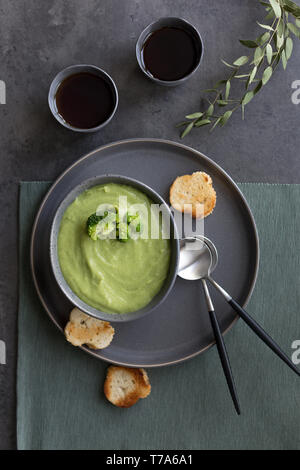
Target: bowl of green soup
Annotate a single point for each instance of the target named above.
(114, 248)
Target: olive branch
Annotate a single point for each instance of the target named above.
(272, 46)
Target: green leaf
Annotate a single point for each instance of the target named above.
(263, 38)
(279, 41)
(243, 111)
(294, 30)
(194, 116)
(210, 110)
(247, 97)
(283, 59)
(291, 7)
(288, 48)
(227, 65)
(182, 123)
(280, 27)
(269, 53)
(267, 75)
(265, 26)
(227, 89)
(276, 8)
(241, 61)
(215, 124)
(258, 55)
(297, 22)
(265, 4)
(225, 118)
(222, 102)
(203, 122)
(252, 75)
(187, 130)
(242, 76)
(247, 43)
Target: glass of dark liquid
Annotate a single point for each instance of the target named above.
(83, 98)
(169, 51)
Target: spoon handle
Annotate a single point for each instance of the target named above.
(221, 349)
(260, 332)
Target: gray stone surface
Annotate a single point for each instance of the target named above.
(37, 39)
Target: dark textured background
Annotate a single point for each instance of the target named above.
(37, 39)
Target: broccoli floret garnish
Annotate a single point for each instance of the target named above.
(99, 227)
(91, 224)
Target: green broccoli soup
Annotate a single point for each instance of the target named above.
(116, 273)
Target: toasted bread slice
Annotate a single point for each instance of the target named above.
(196, 192)
(124, 386)
(83, 329)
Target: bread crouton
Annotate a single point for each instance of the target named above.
(83, 329)
(196, 191)
(124, 386)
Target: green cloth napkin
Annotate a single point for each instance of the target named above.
(60, 388)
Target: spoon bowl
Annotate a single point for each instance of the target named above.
(198, 258)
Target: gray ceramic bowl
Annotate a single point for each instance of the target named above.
(73, 69)
(175, 250)
(162, 23)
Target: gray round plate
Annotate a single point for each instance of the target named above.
(179, 329)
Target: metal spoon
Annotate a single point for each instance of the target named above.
(260, 332)
(196, 262)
